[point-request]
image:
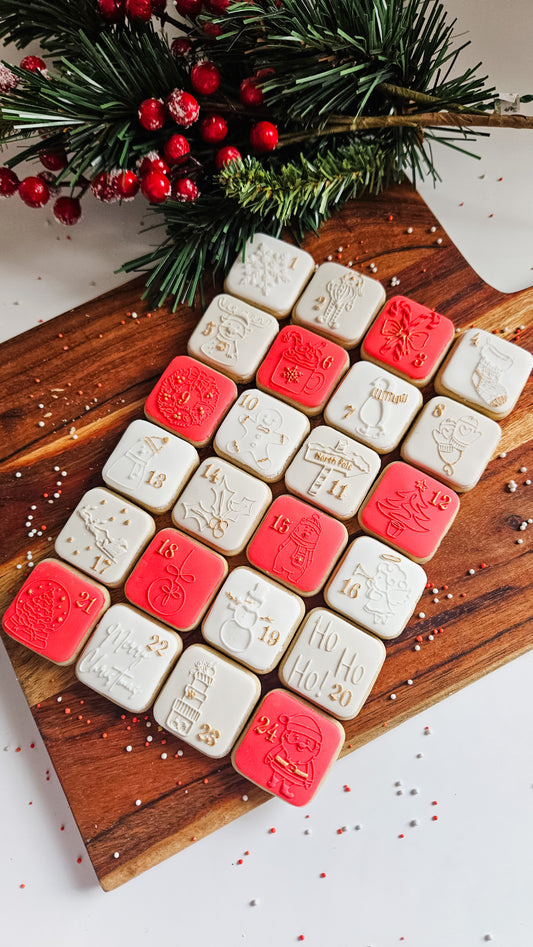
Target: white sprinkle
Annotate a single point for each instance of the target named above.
(245, 798)
(180, 752)
(414, 791)
(449, 595)
(519, 542)
(503, 454)
(56, 469)
(254, 902)
(149, 739)
(398, 782)
(148, 723)
(19, 566)
(116, 854)
(414, 822)
(409, 230)
(431, 637)
(134, 315)
(308, 832)
(59, 699)
(471, 572)
(63, 473)
(33, 507)
(421, 614)
(523, 469)
(527, 483)
(488, 937)
(399, 792)
(330, 257)
(29, 555)
(40, 405)
(30, 564)
(137, 802)
(409, 681)
(393, 696)
(432, 229)
(41, 424)
(436, 601)
(340, 249)
(439, 241)
(358, 827)
(163, 756)
(56, 496)
(523, 525)
(18, 474)
(417, 647)
(435, 591)
(128, 748)
(419, 756)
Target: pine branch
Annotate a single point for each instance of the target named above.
(55, 24)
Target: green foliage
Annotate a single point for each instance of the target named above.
(55, 24)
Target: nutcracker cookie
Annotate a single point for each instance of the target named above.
(288, 747)
(409, 339)
(339, 303)
(302, 368)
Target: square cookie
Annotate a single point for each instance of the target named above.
(333, 472)
(104, 535)
(376, 587)
(333, 664)
(222, 505)
(452, 442)
(261, 434)
(175, 579)
(207, 700)
(150, 465)
(253, 619)
(288, 747)
(339, 303)
(233, 337)
(190, 399)
(55, 611)
(297, 545)
(485, 372)
(302, 368)
(411, 511)
(409, 339)
(128, 657)
(269, 273)
(374, 406)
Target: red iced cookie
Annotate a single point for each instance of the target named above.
(288, 747)
(175, 579)
(409, 510)
(297, 544)
(410, 339)
(190, 399)
(55, 611)
(302, 368)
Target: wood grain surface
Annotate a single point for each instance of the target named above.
(86, 375)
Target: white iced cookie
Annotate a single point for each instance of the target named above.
(332, 663)
(150, 465)
(233, 337)
(104, 536)
(374, 406)
(253, 619)
(376, 587)
(261, 434)
(269, 273)
(485, 372)
(332, 471)
(221, 505)
(452, 442)
(339, 303)
(207, 700)
(128, 657)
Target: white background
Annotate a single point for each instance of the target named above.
(457, 882)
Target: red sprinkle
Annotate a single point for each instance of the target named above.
(322, 874)
(272, 831)
(79, 859)
(434, 818)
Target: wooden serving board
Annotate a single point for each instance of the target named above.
(86, 374)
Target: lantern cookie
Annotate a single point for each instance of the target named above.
(150, 465)
(302, 368)
(128, 657)
(332, 663)
(207, 700)
(297, 545)
(409, 339)
(269, 273)
(261, 434)
(55, 611)
(288, 747)
(190, 399)
(253, 619)
(233, 337)
(339, 303)
(409, 510)
(485, 372)
(452, 442)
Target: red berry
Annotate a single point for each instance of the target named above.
(151, 114)
(139, 10)
(176, 149)
(9, 182)
(182, 108)
(250, 93)
(112, 10)
(33, 64)
(225, 155)
(217, 6)
(212, 29)
(184, 190)
(264, 136)
(152, 162)
(182, 47)
(190, 8)
(103, 188)
(126, 184)
(158, 7)
(34, 191)
(53, 160)
(205, 77)
(155, 187)
(213, 128)
(8, 80)
(67, 210)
